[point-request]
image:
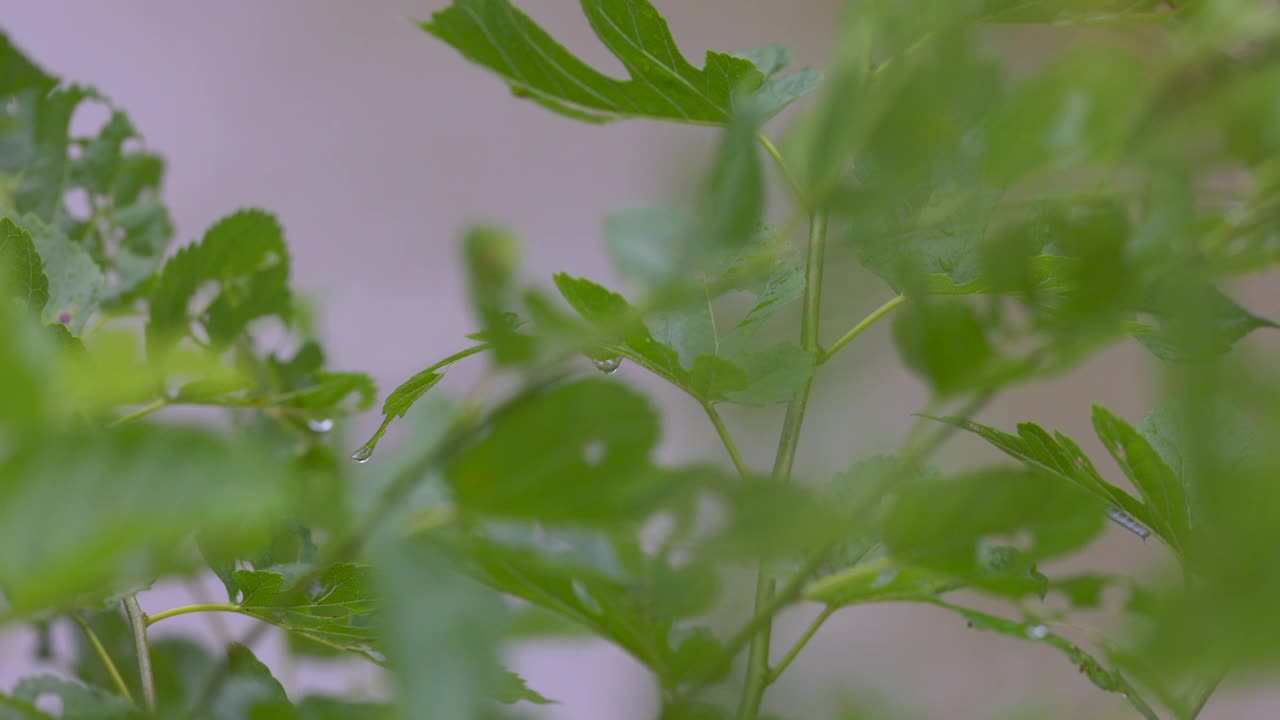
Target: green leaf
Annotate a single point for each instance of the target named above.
(647, 245)
(772, 375)
(1162, 491)
(410, 391)
(95, 170)
(249, 686)
(620, 330)
(147, 229)
(328, 392)
(779, 91)
(95, 487)
(578, 454)
(951, 526)
(19, 72)
(663, 84)
(37, 151)
(79, 702)
(21, 270)
(1060, 456)
(334, 609)
(75, 280)
(1196, 321)
(580, 578)
(440, 634)
(945, 343)
(513, 689)
(1078, 110)
(244, 257)
(492, 261)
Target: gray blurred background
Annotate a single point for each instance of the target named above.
(375, 144)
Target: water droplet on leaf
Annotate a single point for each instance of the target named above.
(363, 455)
(320, 425)
(1037, 632)
(609, 366)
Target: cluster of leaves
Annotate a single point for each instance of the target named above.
(1022, 221)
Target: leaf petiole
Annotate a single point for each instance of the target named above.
(812, 630)
(188, 609)
(104, 656)
(781, 162)
(871, 319)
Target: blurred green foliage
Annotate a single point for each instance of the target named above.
(1022, 215)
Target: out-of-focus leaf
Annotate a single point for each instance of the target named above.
(75, 280)
(440, 634)
(328, 393)
(578, 454)
(1196, 321)
(663, 84)
(953, 526)
(95, 487)
(1078, 110)
(248, 687)
(244, 257)
(21, 269)
(79, 702)
(1065, 11)
(771, 375)
(492, 261)
(779, 91)
(945, 343)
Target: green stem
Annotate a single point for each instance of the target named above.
(776, 154)
(140, 413)
(804, 640)
(105, 657)
(727, 439)
(188, 609)
(138, 621)
(875, 316)
(765, 601)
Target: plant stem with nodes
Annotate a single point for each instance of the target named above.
(138, 621)
(758, 656)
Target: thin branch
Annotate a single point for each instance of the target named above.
(104, 656)
(140, 413)
(138, 621)
(861, 327)
(767, 602)
(188, 609)
(804, 640)
(727, 439)
(776, 154)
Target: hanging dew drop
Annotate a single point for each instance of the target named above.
(320, 425)
(363, 455)
(608, 366)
